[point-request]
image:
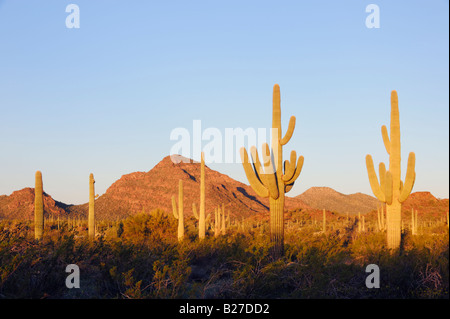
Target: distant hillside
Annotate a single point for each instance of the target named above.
(20, 205)
(139, 191)
(426, 205)
(329, 199)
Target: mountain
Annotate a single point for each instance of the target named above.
(331, 200)
(20, 205)
(140, 191)
(426, 204)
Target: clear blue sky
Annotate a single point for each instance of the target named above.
(104, 98)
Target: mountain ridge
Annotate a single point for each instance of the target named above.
(146, 191)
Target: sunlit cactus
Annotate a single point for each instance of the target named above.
(414, 222)
(91, 215)
(38, 207)
(359, 223)
(223, 229)
(216, 222)
(178, 213)
(324, 222)
(268, 179)
(390, 189)
(381, 219)
(200, 216)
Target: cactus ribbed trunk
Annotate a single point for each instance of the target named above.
(216, 222)
(91, 216)
(223, 226)
(277, 226)
(38, 207)
(180, 211)
(324, 221)
(201, 217)
(394, 225)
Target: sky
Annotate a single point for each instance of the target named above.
(104, 98)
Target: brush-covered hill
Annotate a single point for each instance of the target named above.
(20, 205)
(146, 191)
(331, 200)
(426, 205)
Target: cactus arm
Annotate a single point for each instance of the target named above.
(174, 207)
(373, 179)
(387, 142)
(255, 183)
(289, 167)
(388, 188)
(194, 211)
(298, 170)
(409, 179)
(289, 131)
(259, 171)
(287, 188)
(270, 174)
(382, 173)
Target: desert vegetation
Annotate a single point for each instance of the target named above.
(141, 257)
(296, 253)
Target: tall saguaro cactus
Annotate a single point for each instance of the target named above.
(38, 207)
(179, 215)
(390, 189)
(324, 222)
(269, 180)
(201, 215)
(217, 222)
(91, 216)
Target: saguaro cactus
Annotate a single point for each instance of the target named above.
(201, 215)
(91, 216)
(324, 222)
(269, 180)
(390, 189)
(359, 223)
(380, 215)
(217, 222)
(178, 213)
(38, 207)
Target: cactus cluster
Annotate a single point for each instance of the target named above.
(268, 179)
(390, 189)
(220, 227)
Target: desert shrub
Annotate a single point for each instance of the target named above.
(146, 261)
